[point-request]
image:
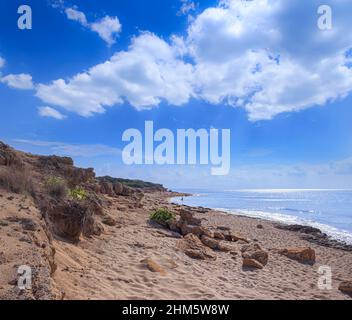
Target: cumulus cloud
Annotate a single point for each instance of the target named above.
(21, 81)
(149, 71)
(266, 56)
(269, 57)
(108, 28)
(50, 113)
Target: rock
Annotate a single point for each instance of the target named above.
(229, 236)
(219, 235)
(214, 244)
(169, 234)
(118, 188)
(153, 266)
(298, 228)
(254, 252)
(315, 235)
(196, 230)
(346, 287)
(324, 240)
(260, 226)
(303, 255)
(194, 248)
(210, 242)
(29, 225)
(107, 188)
(109, 221)
(251, 263)
(223, 228)
(188, 218)
(174, 226)
(126, 191)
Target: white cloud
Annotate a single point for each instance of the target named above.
(50, 113)
(18, 81)
(72, 150)
(149, 71)
(108, 28)
(266, 56)
(247, 55)
(75, 15)
(187, 6)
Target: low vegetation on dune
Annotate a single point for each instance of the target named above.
(16, 180)
(78, 193)
(56, 187)
(162, 216)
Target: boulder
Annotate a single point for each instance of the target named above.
(118, 188)
(214, 244)
(251, 263)
(196, 230)
(229, 236)
(219, 235)
(107, 188)
(188, 218)
(303, 255)
(194, 248)
(254, 252)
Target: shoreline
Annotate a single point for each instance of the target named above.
(312, 233)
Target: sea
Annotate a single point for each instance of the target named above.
(326, 209)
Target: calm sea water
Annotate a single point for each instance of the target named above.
(328, 210)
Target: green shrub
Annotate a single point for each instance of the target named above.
(162, 216)
(56, 187)
(78, 194)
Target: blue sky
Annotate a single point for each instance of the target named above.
(88, 70)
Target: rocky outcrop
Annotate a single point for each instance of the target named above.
(70, 219)
(254, 256)
(8, 156)
(303, 255)
(63, 167)
(314, 235)
(298, 228)
(194, 248)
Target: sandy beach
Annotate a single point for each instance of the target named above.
(114, 251)
(111, 267)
